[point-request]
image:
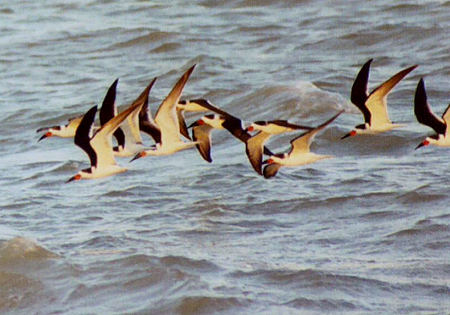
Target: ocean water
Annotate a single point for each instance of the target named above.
(365, 232)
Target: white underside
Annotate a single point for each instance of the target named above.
(103, 172)
(64, 132)
(130, 150)
(172, 148)
(378, 128)
(300, 159)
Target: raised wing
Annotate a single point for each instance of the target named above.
(376, 102)
(423, 112)
(131, 125)
(109, 110)
(101, 142)
(166, 117)
(302, 143)
(147, 124)
(360, 91)
(82, 135)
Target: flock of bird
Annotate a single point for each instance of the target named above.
(168, 127)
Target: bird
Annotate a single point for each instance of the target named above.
(425, 116)
(69, 130)
(194, 105)
(373, 105)
(201, 133)
(131, 141)
(167, 121)
(64, 131)
(222, 120)
(99, 146)
(255, 144)
(299, 153)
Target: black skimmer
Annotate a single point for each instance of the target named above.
(68, 130)
(255, 144)
(128, 136)
(99, 146)
(374, 105)
(425, 116)
(201, 133)
(194, 105)
(223, 120)
(167, 121)
(64, 131)
(299, 154)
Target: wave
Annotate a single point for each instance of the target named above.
(20, 249)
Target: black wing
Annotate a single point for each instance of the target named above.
(285, 123)
(146, 122)
(182, 123)
(82, 138)
(108, 111)
(359, 92)
(202, 134)
(271, 170)
(423, 111)
(254, 149)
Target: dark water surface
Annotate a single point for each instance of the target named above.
(364, 232)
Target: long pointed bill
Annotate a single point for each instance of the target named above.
(422, 144)
(137, 156)
(76, 177)
(350, 134)
(46, 135)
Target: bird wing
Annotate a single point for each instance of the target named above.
(202, 134)
(147, 124)
(423, 112)
(360, 91)
(82, 138)
(109, 110)
(285, 123)
(254, 149)
(271, 170)
(195, 105)
(131, 125)
(377, 100)
(166, 117)
(302, 143)
(151, 129)
(182, 122)
(446, 117)
(101, 142)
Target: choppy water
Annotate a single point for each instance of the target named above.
(365, 232)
